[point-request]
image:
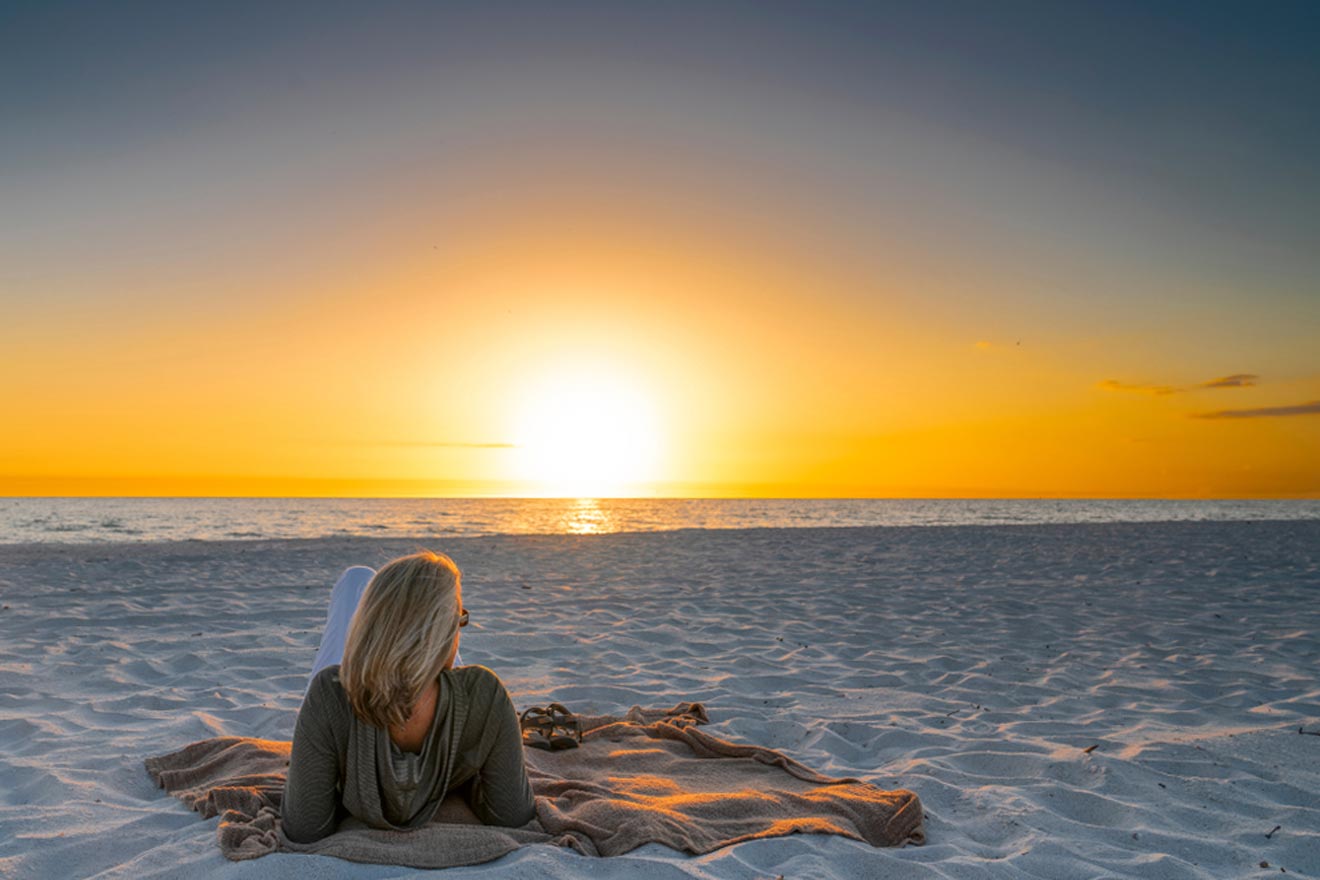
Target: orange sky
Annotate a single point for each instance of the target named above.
(379, 285)
(408, 375)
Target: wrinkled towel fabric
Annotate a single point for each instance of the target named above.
(649, 776)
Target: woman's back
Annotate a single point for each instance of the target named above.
(339, 763)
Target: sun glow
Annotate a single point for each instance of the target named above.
(586, 437)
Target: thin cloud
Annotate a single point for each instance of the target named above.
(445, 444)
(1115, 385)
(1310, 408)
(1237, 380)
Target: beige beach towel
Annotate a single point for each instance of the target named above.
(650, 776)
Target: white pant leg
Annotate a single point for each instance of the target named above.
(343, 602)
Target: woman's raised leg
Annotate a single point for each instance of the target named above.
(343, 602)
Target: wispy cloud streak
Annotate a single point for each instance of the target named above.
(1310, 408)
(1237, 380)
(1115, 385)
(446, 444)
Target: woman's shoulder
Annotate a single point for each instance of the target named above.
(477, 680)
(326, 679)
(326, 694)
(471, 675)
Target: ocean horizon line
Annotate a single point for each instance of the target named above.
(137, 519)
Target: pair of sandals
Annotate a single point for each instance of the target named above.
(552, 728)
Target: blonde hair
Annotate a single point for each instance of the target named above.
(404, 632)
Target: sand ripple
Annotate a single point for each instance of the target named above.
(974, 665)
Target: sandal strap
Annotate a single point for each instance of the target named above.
(535, 718)
(565, 720)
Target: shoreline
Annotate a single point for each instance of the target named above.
(294, 543)
(151, 520)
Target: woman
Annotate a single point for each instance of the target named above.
(385, 734)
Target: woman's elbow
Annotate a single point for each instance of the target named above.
(299, 834)
(517, 817)
(508, 814)
(528, 814)
(302, 828)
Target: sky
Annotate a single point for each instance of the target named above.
(709, 249)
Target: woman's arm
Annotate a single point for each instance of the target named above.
(501, 793)
(311, 795)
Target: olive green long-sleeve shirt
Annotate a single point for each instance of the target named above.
(341, 766)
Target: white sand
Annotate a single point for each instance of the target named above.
(971, 664)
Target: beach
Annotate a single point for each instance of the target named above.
(1073, 700)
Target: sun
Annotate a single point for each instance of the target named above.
(585, 436)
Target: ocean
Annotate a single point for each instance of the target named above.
(117, 520)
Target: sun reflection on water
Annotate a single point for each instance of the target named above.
(586, 516)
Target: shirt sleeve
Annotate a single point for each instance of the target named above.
(500, 794)
(311, 791)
